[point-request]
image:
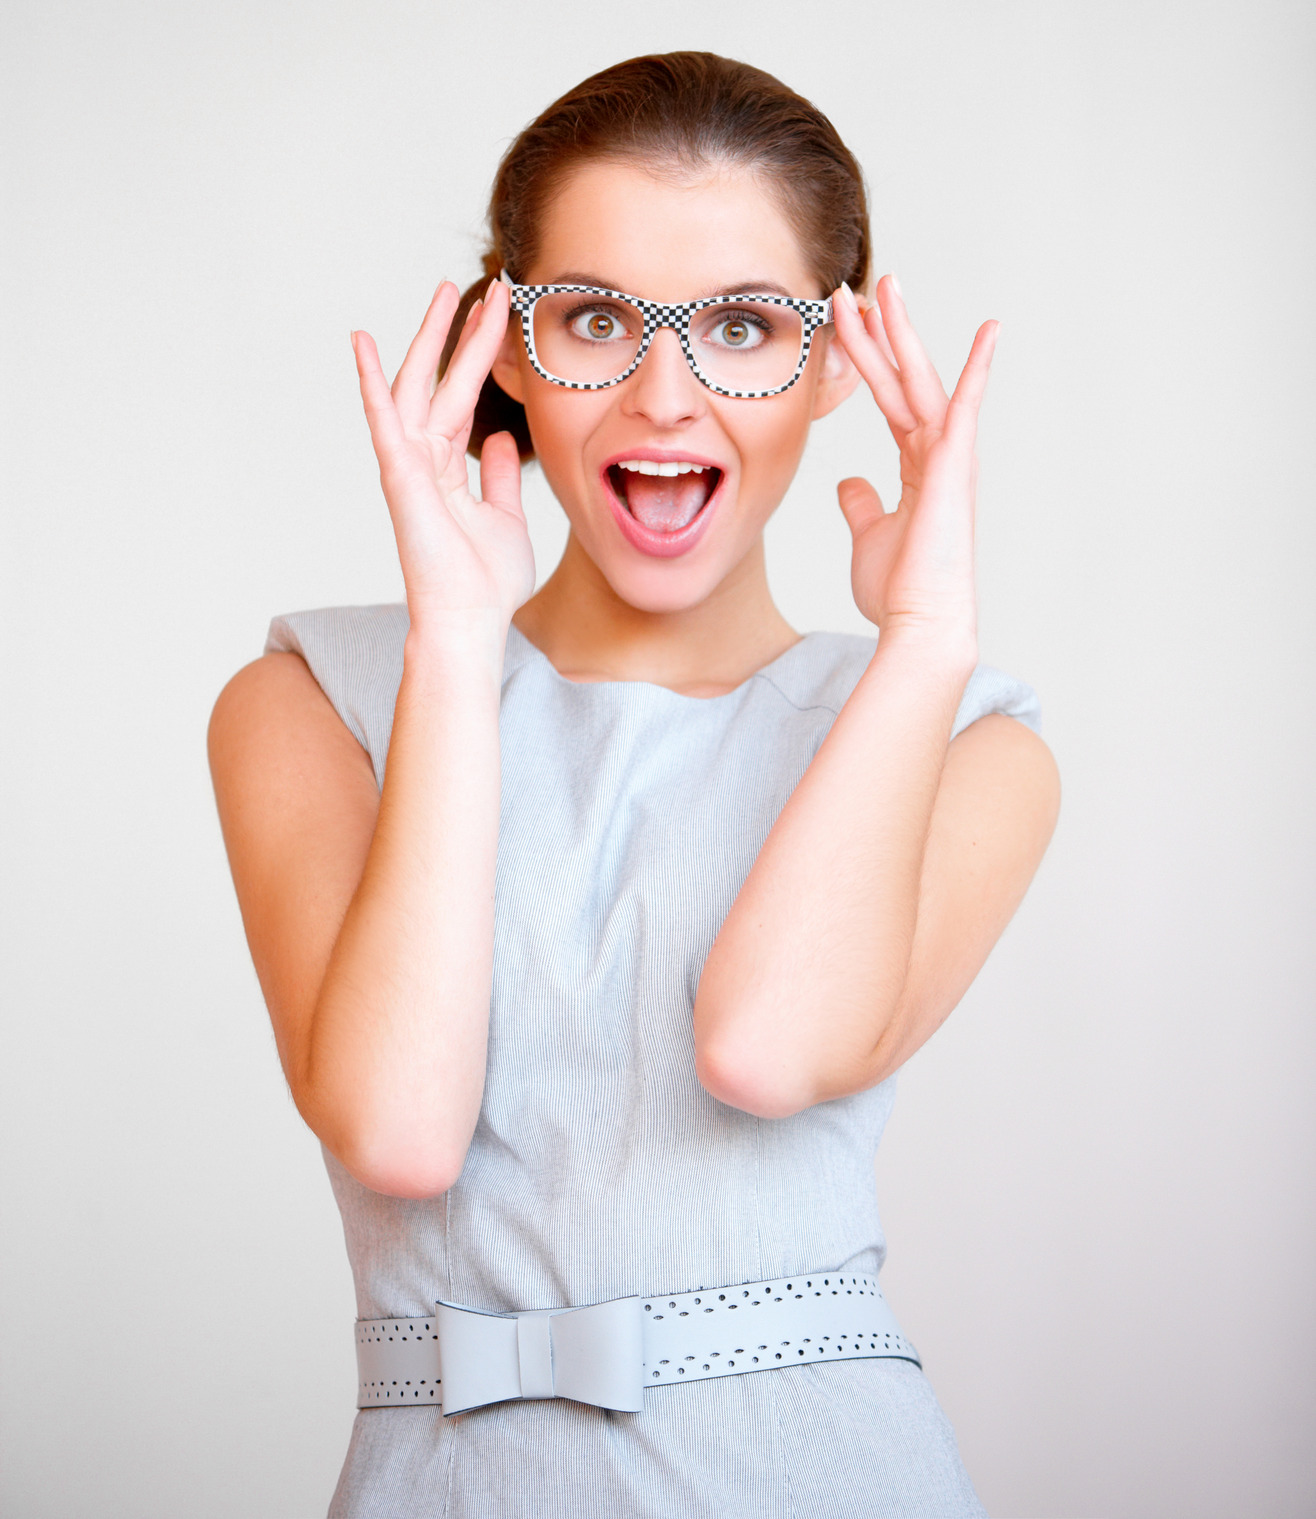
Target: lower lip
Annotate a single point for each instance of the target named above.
(663, 545)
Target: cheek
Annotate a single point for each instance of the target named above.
(770, 437)
(561, 424)
(560, 420)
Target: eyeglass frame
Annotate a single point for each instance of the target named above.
(815, 314)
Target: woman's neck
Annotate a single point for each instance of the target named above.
(588, 633)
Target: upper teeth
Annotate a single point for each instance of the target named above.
(652, 467)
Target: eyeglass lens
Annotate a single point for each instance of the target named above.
(740, 345)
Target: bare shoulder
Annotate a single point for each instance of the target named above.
(1000, 747)
(996, 811)
(1001, 781)
(296, 792)
(297, 807)
(272, 714)
(275, 691)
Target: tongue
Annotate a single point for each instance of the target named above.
(665, 503)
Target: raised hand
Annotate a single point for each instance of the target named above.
(460, 554)
(914, 567)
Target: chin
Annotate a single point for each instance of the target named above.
(662, 586)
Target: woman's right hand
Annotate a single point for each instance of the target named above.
(460, 554)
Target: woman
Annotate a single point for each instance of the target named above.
(595, 922)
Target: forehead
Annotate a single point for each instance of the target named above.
(668, 238)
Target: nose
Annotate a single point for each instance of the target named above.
(664, 389)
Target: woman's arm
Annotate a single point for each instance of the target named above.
(900, 856)
(370, 915)
(892, 871)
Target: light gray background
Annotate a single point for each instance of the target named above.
(1098, 1182)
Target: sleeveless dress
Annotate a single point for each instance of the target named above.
(600, 1168)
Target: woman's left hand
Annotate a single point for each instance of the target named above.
(913, 568)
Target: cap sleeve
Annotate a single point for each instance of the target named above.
(992, 690)
(355, 655)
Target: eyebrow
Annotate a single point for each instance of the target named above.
(738, 287)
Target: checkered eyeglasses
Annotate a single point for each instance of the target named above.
(744, 346)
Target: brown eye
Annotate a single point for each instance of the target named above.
(596, 323)
(736, 334)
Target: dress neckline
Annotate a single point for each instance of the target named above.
(534, 652)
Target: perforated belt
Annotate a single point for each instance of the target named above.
(607, 1354)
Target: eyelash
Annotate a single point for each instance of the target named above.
(602, 308)
(750, 318)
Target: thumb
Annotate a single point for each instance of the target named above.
(500, 473)
(860, 503)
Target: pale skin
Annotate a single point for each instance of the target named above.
(896, 863)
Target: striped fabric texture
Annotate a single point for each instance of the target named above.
(600, 1167)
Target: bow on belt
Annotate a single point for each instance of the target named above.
(592, 1355)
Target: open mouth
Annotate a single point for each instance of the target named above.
(666, 497)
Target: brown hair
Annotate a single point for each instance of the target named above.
(690, 110)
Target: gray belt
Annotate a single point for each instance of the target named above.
(609, 1353)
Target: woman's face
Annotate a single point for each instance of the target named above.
(664, 542)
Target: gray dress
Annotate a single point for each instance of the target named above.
(600, 1167)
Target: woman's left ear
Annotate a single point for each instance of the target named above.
(838, 379)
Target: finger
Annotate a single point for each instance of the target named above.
(415, 379)
(923, 388)
(872, 315)
(432, 426)
(868, 358)
(463, 434)
(386, 430)
(860, 503)
(962, 413)
(454, 400)
(500, 473)
(462, 437)
(464, 336)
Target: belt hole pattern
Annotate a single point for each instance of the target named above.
(398, 1331)
(858, 1343)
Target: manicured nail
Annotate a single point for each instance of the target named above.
(847, 295)
(351, 337)
(493, 285)
(895, 285)
(473, 312)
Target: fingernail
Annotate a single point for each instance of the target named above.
(895, 285)
(493, 284)
(847, 295)
(351, 337)
(473, 312)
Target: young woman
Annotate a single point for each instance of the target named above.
(594, 922)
